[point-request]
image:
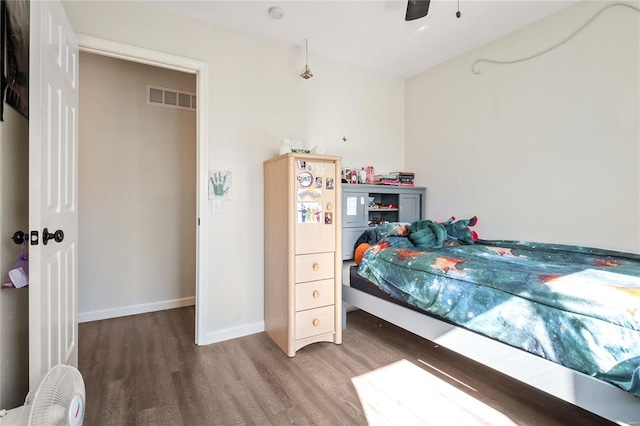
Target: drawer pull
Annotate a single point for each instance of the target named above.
(316, 267)
(329, 207)
(316, 294)
(316, 322)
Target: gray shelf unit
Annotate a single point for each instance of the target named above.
(356, 214)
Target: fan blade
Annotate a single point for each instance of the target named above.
(417, 9)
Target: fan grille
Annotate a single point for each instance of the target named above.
(58, 399)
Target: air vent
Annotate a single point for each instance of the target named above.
(155, 95)
(184, 100)
(170, 98)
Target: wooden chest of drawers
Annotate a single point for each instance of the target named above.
(303, 298)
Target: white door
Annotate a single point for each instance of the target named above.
(53, 189)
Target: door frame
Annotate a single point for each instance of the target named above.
(127, 52)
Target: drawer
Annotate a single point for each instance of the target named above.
(314, 294)
(315, 321)
(314, 267)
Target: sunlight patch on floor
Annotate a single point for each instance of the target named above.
(404, 394)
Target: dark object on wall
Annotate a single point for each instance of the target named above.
(417, 9)
(16, 19)
(3, 80)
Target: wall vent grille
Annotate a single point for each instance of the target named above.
(170, 98)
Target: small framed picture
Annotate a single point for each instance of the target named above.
(328, 218)
(329, 183)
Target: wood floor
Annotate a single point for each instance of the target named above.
(146, 370)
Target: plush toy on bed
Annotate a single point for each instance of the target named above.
(459, 230)
(359, 252)
(430, 234)
(427, 234)
(423, 234)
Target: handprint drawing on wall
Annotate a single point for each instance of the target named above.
(220, 184)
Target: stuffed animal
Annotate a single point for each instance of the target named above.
(459, 230)
(359, 253)
(427, 234)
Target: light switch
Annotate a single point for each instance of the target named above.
(216, 206)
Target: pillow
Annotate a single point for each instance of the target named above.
(360, 252)
(373, 235)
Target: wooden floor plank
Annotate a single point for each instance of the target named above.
(146, 370)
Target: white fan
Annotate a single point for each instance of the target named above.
(56, 400)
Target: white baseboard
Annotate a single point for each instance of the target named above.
(135, 309)
(234, 332)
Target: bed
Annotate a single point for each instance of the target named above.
(563, 319)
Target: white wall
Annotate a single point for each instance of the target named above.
(544, 150)
(14, 216)
(136, 191)
(256, 99)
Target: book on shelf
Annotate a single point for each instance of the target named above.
(388, 179)
(395, 178)
(404, 178)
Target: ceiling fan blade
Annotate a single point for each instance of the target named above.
(417, 9)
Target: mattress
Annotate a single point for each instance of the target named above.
(576, 306)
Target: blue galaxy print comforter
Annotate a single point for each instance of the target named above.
(576, 306)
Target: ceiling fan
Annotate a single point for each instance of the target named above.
(417, 9)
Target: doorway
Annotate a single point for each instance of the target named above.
(155, 236)
(136, 188)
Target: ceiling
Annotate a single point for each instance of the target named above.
(373, 33)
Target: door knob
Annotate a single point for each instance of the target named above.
(57, 236)
(19, 237)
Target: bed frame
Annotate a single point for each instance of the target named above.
(584, 391)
